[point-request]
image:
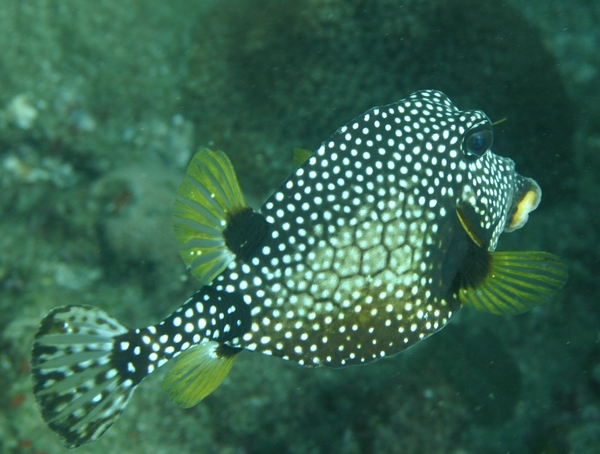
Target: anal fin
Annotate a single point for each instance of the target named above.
(198, 372)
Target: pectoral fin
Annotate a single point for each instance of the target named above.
(516, 282)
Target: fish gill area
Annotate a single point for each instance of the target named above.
(102, 105)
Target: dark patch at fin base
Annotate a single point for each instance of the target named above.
(226, 351)
(244, 232)
(200, 369)
(208, 196)
(516, 282)
(475, 267)
(198, 372)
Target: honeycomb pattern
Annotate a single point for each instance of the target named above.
(353, 269)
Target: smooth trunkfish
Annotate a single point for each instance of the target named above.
(372, 244)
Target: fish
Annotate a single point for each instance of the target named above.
(373, 244)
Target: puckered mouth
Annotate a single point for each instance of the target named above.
(526, 200)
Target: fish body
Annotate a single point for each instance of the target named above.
(355, 264)
(374, 243)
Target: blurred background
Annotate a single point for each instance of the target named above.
(103, 103)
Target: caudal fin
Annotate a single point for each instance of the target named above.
(76, 379)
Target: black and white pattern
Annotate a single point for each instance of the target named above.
(352, 269)
(354, 258)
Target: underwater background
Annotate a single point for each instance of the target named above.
(102, 105)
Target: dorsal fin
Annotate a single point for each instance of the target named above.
(208, 198)
(301, 155)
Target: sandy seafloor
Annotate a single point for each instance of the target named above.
(102, 104)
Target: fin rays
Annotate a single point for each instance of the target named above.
(207, 198)
(225, 181)
(517, 282)
(207, 232)
(207, 213)
(301, 155)
(197, 373)
(77, 388)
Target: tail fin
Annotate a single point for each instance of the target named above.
(76, 381)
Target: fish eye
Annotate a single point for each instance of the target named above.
(477, 141)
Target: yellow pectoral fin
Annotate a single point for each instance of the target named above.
(207, 198)
(197, 373)
(301, 155)
(516, 282)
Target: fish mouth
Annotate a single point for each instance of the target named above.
(527, 199)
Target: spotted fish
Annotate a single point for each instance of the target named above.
(374, 243)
